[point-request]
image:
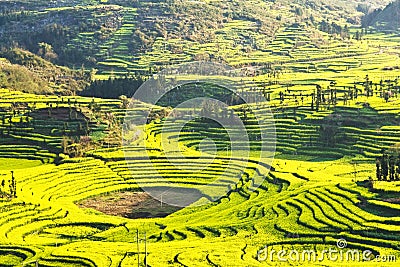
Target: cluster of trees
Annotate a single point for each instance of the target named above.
(324, 96)
(12, 185)
(334, 28)
(113, 88)
(158, 114)
(388, 166)
(359, 34)
(76, 146)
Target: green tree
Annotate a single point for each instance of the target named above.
(13, 185)
(392, 166)
(385, 166)
(357, 36)
(318, 97)
(367, 86)
(378, 169)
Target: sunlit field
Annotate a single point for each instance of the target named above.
(80, 186)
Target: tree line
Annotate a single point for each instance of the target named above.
(113, 88)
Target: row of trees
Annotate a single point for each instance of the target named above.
(330, 94)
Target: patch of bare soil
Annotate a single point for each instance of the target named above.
(132, 205)
(60, 114)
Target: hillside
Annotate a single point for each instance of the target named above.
(20, 78)
(24, 71)
(387, 19)
(119, 36)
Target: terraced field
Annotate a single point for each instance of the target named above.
(313, 203)
(309, 201)
(326, 93)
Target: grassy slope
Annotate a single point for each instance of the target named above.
(24, 71)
